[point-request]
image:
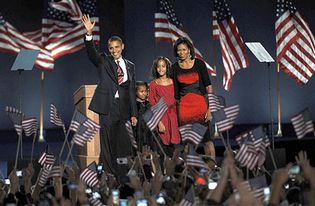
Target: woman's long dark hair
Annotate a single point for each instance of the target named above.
(184, 40)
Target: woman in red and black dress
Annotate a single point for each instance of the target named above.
(191, 86)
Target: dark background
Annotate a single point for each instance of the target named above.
(134, 21)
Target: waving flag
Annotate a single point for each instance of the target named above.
(16, 117)
(62, 29)
(215, 27)
(247, 155)
(192, 132)
(194, 160)
(225, 118)
(89, 175)
(215, 102)
(253, 145)
(12, 41)
(43, 176)
(62, 32)
(295, 43)
(302, 124)
(233, 49)
(30, 126)
(188, 199)
(83, 135)
(167, 28)
(80, 119)
(55, 171)
(55, 116)
(47, 160)
(153, 115)
(95, 202)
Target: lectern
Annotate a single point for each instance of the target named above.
(91, 151)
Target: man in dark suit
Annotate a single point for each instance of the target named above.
(114, 100)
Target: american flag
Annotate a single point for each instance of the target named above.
(234, 55)
(153, 115)
(302, 124)
(55, 116)
(89, 175)
(16, 117)
(295, 43)
(215, 27)
(12, 41)
(62, 29)
(47, 160)
(192, 132)
(30, 126)
(83, 135)
(188, 199)
(194, 160)
(215, 102)
(62, 32)
(43, 176)
(55, 171)
(247, 155)
(131, 135)
(253, 145)
(80, 119)
(95, 202)
(255, 133)
(225, 118)
(257, 185)
(167, 28)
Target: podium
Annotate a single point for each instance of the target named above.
(91, 151)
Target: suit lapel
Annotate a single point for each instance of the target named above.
(128, 69)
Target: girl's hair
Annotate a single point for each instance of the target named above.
(154, 72)
(141, 83)
(184, 40)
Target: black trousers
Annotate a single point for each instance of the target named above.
(114, 140)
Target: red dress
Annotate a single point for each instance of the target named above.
(192, 104)
(171, 135)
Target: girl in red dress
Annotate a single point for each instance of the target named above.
(162, 86)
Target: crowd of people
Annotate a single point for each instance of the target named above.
(149, 182)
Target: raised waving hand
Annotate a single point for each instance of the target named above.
(88, 24)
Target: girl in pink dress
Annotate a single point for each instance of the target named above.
(162, 86)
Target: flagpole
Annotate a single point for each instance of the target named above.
(272, 158)
(17, 150)
(214, 87)
(33, 144)
(20, 147)
(270, 106)
(68, 156)
(223, 140)
(279, 133)
(228, 137)
(66, 137)
(141, 165)
(41, 117)
(159, 144)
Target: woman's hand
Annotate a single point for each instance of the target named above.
(208, 116)
(161, 127)
(88, 24)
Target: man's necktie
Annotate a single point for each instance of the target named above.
(120, 73)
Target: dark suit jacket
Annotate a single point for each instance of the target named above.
(104, 94)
